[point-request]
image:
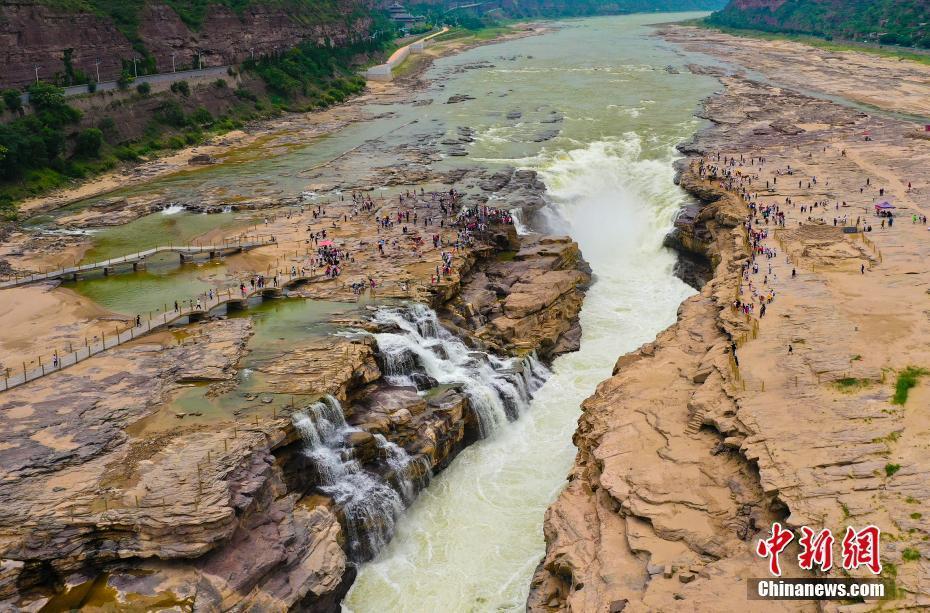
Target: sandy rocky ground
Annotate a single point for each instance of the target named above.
(118, 494)
(685, 459)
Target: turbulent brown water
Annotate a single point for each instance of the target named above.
(472, 540)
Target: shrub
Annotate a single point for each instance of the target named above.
(144, 88)
(201, 117)
(46, 97)
(171, 113)
(244, 94)
(89, 142)
(181, 87)
(907, 379)
(220, 84)
(891, 469)
(12, 98)
(910, 554)
(125, 80)
(91, 86)
(49, 103)
(108, 126)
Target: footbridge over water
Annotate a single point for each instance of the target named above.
(185, 252)
(231, 298)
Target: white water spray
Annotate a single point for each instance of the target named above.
(370, 503)
(419, 352)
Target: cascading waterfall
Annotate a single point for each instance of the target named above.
(369, 502)
(421, 353)
(498, 390)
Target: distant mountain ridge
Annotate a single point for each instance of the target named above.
(893, 22)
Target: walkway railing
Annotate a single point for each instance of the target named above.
(143, 325)
(132, 258)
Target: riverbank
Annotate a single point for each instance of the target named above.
(255, 459)
(67, 237)
(731, 420)
(294, 127)
(226, 436)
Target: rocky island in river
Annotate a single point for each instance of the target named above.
(349, 376)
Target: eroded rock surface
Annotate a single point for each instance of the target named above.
(727, 421)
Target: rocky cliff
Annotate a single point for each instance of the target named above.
(622, 520)
(34, 34)
(730, 420)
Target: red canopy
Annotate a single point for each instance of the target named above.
(326, 244)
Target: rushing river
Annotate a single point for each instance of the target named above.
(597, 107)
(472, 540)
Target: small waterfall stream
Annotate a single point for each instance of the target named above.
(419, 353)
(370, 503)
(499, 390)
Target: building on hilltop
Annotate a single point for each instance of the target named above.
(400, 16)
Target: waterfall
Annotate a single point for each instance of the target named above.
(417, 352)
(415, 344)
(369, 502)
(172, 209)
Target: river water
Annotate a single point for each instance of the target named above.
(472, 540)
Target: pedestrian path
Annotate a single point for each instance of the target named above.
(134, 259)
(191, 311)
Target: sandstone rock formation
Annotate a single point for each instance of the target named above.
(728, 422)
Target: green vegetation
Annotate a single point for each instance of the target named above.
(181, 87)
(891, 469)
(126, 15)
(887, 22)
(907, 379)
(36, 141)
(851, 384)
(821, 43)
(910, 554)
(125, 80)
(437, 13)
(12, 100)
(916, 515)
(89, 142)
(45, 149)
(320, 75)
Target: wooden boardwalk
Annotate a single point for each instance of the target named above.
(192, 311)
(134, 259)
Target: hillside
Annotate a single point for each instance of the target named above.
(894, 22)
(65, 39)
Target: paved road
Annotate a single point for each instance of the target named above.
(164, 77)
